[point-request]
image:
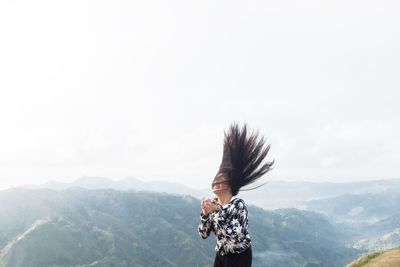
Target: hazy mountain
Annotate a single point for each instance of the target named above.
(365, 212)
(291, 237)
(385, 241)
(386, 225)
(372, 221)
(80, 227)
(352, 208)
(129, 183)
(273, 195)
(381, 235)
(283, 194)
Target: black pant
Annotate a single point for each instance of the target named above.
(234, 260)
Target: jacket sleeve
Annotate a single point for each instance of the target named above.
(235, 220)
(205, 225)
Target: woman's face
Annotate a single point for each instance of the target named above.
(220, 184)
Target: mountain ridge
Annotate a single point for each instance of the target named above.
(275, 194)
(109, 227)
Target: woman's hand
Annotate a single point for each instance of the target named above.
(208, 206)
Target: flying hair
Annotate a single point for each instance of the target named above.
(243, 159)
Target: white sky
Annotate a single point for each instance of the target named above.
(146, 88)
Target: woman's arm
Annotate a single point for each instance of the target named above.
(205, 225)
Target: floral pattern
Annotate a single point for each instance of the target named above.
(230, 226)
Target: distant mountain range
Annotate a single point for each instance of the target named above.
(273, 195)
(283, 194)
(104, 227)
(80, 227)
(366, 211)
(356, 208)
(129, 183)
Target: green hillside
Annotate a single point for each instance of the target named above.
(103, 228)
(79, 227)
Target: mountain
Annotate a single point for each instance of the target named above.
(364, 214)
(386, 225)
(372, 221)
(273, 195)
(386, 241)
(292, 237)
(381, 235)
(129, 183)
(79, 227)
(286, 194)
(104, 227)
(357, 208)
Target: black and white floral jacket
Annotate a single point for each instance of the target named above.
(229, 224)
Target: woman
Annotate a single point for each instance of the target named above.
(242, 164)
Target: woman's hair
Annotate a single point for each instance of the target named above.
(243, 157)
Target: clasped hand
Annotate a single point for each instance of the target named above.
(208, 206)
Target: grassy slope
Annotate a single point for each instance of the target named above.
(389, 258)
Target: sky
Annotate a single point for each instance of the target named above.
(147, 88)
